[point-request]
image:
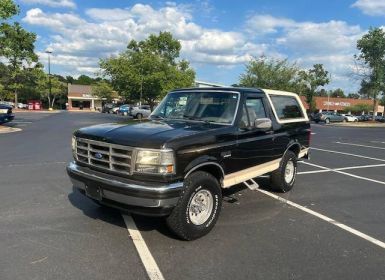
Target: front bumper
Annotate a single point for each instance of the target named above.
(151, 199)
(6, 118)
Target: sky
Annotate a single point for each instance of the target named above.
(217, 37)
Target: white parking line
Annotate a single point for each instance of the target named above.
(338, 169)
(327, 219)
(147, 259)
(344, 173)
(380, 142)
(359, 145)
(348, 154)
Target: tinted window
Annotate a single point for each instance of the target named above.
(286, 107)
(253, 109)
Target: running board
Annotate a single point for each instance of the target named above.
(251, 184)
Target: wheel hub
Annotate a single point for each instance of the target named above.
(201, 206)
(289, 171)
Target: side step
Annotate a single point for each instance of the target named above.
(251, 184)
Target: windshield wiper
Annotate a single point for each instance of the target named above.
(193, 118)
(157, 117)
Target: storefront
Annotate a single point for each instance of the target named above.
(80, 98)
(341, 104)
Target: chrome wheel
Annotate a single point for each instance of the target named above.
(289, 172)
(201, 206)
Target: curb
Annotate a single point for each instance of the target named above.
(5, 129)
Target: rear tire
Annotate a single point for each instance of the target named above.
(139, 116)
(283, 179)
(198, 208)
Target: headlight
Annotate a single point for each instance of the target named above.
(156, 162)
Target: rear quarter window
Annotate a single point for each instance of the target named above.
(286, 107)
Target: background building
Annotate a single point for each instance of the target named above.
(80, 97)
(338, 104)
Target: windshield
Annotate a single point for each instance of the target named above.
(216, 107)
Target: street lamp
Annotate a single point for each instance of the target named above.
(49, 52)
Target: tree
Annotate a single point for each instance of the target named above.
(322, 92)
(8, 9)
(270, 73)
(148, 69)
(104, 90)
(354, 95)
(337, 93)
(84, 80)
(358, 108)
(58, 88)
(16, 45)
(372, 54)
(311, 80)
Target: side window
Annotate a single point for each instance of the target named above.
(286, 107)
(252, 109)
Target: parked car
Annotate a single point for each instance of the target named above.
(139, 112)
(367, 117)
(196, 143)
(328, 117)
(124, 110)
(107, 108)
(6, 114)
(22, 106)
(350, 118)
(380, 118)
(115, 110)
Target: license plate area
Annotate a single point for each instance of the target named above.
(94, 192)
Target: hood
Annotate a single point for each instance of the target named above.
(151, 134)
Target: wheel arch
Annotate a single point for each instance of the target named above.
(294, 147)
(212, 167)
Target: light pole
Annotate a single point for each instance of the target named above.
(48, 51)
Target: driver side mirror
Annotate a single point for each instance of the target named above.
(263, 124)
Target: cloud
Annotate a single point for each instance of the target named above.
(107, 31)
(371, 7)
(264, 24)
(52, 3)
(79, 41)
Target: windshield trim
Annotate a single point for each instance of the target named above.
(202, 90)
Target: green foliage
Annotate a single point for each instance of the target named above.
(58, 88)
(359, 108)
(104, 90)
(270, 73)
(148, 68)
(311, 80)
(337, 93)
(372, 53)
(84, 80)
(8, 9)
(354, 95)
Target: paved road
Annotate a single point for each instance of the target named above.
(47, 231)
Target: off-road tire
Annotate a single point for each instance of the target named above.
(179, 221)
(277, 177)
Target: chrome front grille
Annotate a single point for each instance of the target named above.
(104, 155)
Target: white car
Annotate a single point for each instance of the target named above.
(350, 118)
(139, 112)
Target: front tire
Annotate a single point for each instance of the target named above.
(139, 116)
(327, 121)
(198, 208)
(283, 179)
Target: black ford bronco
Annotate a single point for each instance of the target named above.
(196, 142)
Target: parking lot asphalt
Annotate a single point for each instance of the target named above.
(330, 226)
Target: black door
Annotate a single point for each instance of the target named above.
(254, 146)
